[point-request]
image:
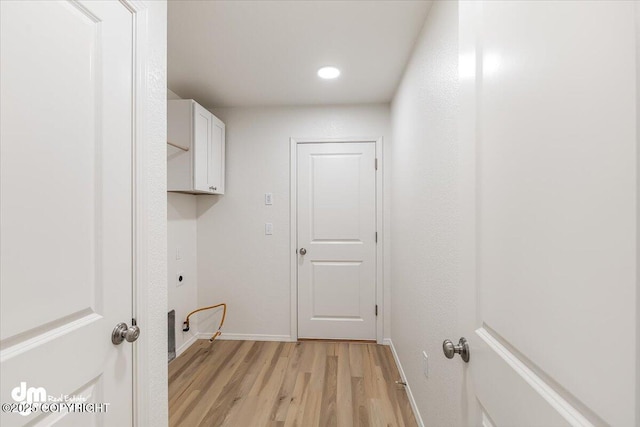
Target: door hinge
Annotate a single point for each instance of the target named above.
(376, 237)
(376, 164)
(376, 309)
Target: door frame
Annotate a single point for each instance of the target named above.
(148, 192)
(293, 221)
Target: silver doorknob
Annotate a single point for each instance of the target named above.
(303, 251)
(122, 332)
(462, 348)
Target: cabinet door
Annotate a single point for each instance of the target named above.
(202, 120)
(215, 156)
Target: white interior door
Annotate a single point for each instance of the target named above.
(66, 211)
(336, 214)
(550, 147)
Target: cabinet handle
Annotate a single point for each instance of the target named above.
(213, 188)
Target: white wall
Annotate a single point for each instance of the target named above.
(172, 95)
(181, 235)
(424, 268)
(237, 263)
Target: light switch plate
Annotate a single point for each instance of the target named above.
(268, 229)
(268, 198)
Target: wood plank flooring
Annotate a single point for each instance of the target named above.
(278, 384)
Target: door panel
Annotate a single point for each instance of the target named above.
(216, 155)
(202, 132)
(51, 180)
(336, 226)
(554, 157)
(66, 214)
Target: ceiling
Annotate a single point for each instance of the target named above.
(258, 53)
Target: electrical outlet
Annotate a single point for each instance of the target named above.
(268, 198)
(425, 364)
(268, 229)
(179, 279)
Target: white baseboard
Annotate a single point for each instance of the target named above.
(185, 345)
(246, 337)
(412, 401)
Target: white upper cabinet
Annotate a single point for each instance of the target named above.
(198, 166)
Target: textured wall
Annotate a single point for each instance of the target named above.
(423, 217)
(154, 334)
(237, 263)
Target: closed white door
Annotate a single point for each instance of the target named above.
(550, 155)
(336, 214)
(66, 212)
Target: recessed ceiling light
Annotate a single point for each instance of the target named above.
(328, 72)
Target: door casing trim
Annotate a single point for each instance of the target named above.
(144, 187)
(293, 233)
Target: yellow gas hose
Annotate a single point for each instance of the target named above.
(185, 326)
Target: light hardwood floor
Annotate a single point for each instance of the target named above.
(305, 384)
